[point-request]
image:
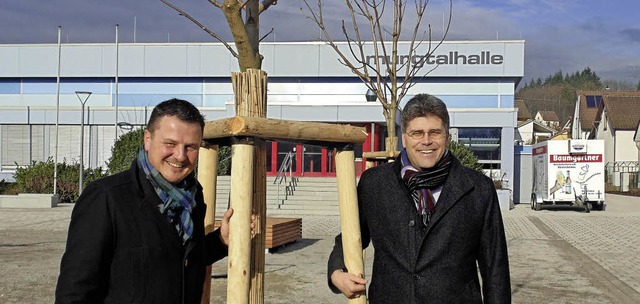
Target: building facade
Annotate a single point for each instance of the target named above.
(40, 114)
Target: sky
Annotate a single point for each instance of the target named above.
(566, 35)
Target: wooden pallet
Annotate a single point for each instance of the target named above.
(280, 231)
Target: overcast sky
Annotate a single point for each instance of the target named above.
(560, 34)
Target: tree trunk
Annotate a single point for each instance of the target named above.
(391, 142)
(248, 56)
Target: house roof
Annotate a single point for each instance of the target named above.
(622, 112)
(523, 111)
(537, 126)
(549, 116)
(588, 110)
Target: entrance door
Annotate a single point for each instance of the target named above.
(312, 160)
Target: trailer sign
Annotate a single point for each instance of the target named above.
(589, 158)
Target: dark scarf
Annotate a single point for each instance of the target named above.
(421, 182)
(178, 200)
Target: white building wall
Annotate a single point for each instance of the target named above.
(605, 133)
(524, 133)
(625, 146)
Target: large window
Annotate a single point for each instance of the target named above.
(23, 144)
(484, 143)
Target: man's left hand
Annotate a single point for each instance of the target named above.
(224, 226)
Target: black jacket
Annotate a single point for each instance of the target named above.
(437, 263)
(121, 249)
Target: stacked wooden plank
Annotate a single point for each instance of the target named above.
(280, 231)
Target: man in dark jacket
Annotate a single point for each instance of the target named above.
(138, 236)
(432, 222)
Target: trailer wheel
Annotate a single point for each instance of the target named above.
(534, 203)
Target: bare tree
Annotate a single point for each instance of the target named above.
(375, 60)
(246, 36)
(246, 33)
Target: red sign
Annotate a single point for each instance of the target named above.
(566, 158)
(540, 150)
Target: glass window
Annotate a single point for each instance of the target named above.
(268, 148)
(484, 143)
(285, 148)
(312, 156)
(15, 145)
(357, 150)
(593, 101)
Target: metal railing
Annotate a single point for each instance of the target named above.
(281, 177)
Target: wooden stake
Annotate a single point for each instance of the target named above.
(207, 176)
(251, 101)
(349, 218)
(284, 129)
(381, 155)
(239, 225)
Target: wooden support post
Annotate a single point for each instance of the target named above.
(250, 90)
(369, 164)
(284, 129)
(207, 176)
(349, 218)
(239, 225)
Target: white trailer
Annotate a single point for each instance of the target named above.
(568, 172)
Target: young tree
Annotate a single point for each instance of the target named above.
(389, 76)
(246, 36)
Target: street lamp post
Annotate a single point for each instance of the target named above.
(83, 96)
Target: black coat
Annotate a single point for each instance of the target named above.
(436, 263)
(121, 249)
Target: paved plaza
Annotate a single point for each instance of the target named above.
(557, 255)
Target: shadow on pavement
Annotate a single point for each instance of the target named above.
(293, 246)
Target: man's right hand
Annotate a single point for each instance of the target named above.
(350, 285)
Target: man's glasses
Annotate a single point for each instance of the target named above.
(433, 134)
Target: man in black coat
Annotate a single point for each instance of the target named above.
(138, 236)
(432, 222)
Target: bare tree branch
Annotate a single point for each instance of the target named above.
(267, 34)
(390, 75)
(200, 25)
(216, 3)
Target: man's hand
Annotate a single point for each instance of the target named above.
(350, 285)
(224, 226)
